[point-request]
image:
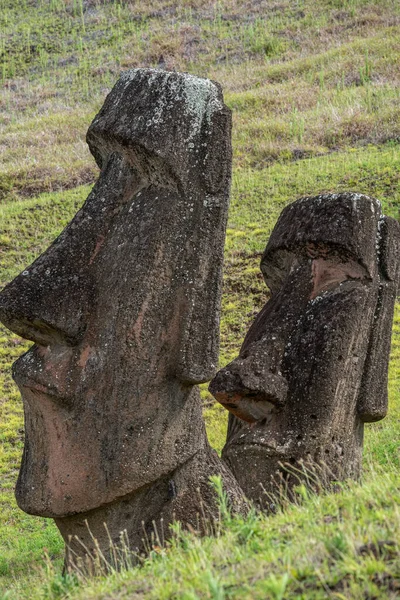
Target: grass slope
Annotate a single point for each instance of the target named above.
(335, 546)
(314, 89)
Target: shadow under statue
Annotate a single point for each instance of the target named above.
(123, 309)
(313, 366)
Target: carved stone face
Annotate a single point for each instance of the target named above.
(123, 306)
(313, 366)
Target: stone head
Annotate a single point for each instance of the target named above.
(313, 366)
(123, 307)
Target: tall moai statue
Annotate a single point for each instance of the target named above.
(123, 309)
(313, 366)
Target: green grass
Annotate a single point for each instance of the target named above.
(314, 90)
(302, 78)
(323, 547)
(343, 545)
(257, 198)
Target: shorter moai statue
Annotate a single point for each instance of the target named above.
(313, 366)
(123, 309)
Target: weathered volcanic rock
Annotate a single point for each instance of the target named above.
(313, 366)
(124, 308)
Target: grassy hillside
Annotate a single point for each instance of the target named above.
(314, 90)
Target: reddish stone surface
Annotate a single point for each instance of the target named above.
(313, 366)
(123, 309)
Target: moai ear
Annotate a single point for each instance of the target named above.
(200, 347)
(200, 328)
(389, 249)
(217, 150)
(373, 397)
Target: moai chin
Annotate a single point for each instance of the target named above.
(123, 309)
(313, 366)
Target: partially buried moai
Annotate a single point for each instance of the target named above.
(124, 311)
(313, 366)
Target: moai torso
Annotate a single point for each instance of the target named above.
(313, 366)
(124, 311)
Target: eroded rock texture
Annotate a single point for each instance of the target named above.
(313, 366)
(123, 309)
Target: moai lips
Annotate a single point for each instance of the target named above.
(123, 309)
(313, 366)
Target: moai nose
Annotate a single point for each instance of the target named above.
(249, 389)
(49, 302)
(46, 302)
